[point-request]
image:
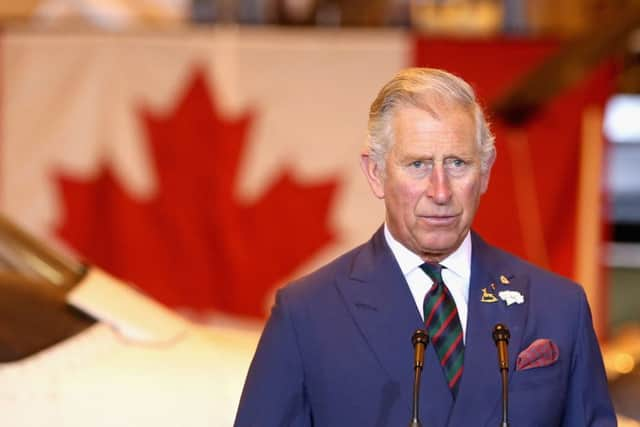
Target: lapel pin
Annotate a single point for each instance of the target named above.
(504, 279)
(511, 297)
(487, 296)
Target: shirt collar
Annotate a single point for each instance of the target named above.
(459, 262)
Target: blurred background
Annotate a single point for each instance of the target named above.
(206, 151)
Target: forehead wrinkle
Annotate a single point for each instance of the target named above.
(424, 136)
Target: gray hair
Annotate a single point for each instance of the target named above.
(420, 87)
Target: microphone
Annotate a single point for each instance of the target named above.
(501, 337)
(420, 339)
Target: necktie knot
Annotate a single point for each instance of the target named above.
(434, 271)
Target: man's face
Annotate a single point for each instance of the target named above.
(432, 181)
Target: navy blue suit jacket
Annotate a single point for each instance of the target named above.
(337, 350)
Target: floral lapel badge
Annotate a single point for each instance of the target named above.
(508, 296)
(511, 297)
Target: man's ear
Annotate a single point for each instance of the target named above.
(373, 173)
(484, 185)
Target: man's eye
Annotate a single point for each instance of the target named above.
(418, 164)
(455, 163)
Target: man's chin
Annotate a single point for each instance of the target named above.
(439, 246)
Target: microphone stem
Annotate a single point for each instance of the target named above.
(505, 397)
(415, 418)
(501, 337)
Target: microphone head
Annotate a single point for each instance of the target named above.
(419, 336)
(501, 333)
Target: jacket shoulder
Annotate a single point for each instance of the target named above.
(321, 280)
(541, 279)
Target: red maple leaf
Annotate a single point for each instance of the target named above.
(195, 244)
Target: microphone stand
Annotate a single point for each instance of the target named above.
(420, 339)
(501, 337)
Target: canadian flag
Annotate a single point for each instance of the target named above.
(211, 167)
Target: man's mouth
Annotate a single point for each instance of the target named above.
(439, 220)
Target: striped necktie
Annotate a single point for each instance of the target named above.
(443, 326)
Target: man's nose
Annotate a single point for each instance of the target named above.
(439, 187)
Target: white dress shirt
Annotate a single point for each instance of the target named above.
(456, 275)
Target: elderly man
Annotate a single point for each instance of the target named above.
(336, 350)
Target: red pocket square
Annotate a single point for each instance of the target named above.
(541, 352)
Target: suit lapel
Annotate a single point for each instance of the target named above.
(379, 300)
(481, 374)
